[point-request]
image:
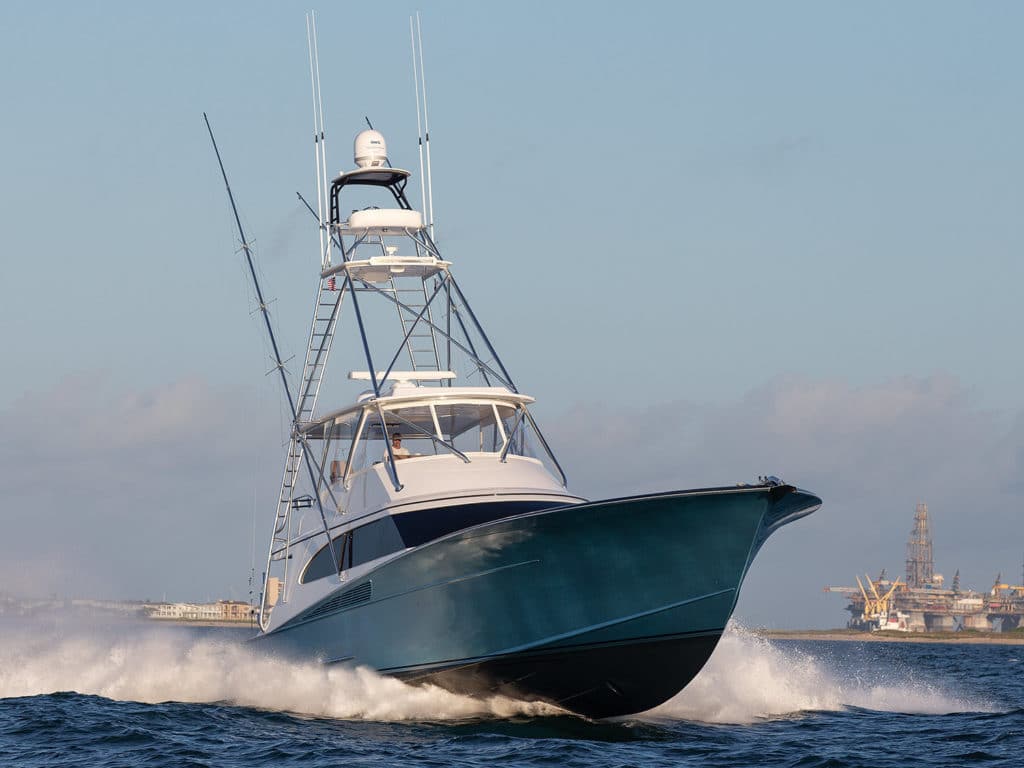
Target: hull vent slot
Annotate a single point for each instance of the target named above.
(352, 597)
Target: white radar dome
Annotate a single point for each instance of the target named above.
(371, 150)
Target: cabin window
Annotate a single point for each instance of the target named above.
(425, 525)
(410, 529)
(322, 565)
(355, 547)
(375, 540)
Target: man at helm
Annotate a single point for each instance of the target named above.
(396, 447)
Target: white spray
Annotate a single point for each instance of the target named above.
(158, 665)
(747, 679)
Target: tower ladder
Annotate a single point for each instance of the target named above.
(321, 335)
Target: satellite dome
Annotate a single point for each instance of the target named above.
(371, 150)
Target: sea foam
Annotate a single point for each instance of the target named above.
(747, 679)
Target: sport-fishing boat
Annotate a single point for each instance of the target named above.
(425, 527)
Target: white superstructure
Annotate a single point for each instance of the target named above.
(441, 432)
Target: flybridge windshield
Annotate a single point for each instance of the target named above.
(464, 430)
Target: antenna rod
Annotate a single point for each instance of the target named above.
(419, 128)
(322, 168)
(426, 128)
(317, 135)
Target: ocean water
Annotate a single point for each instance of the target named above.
(138, 695)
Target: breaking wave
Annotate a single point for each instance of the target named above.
(749, 678)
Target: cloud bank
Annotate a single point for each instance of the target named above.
(128, 494)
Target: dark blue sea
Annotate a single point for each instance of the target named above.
(137, 695)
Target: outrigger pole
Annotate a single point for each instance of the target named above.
(252, 273)
(278, 363)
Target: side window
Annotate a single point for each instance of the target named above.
(365, 543)
(375, 540)
(321, 564)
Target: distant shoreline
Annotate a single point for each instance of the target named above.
(201, 623)
(849, 635)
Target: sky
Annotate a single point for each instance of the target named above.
(714, 240)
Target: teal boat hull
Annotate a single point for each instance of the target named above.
(604, 608)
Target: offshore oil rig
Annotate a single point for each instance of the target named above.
(922, 603)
